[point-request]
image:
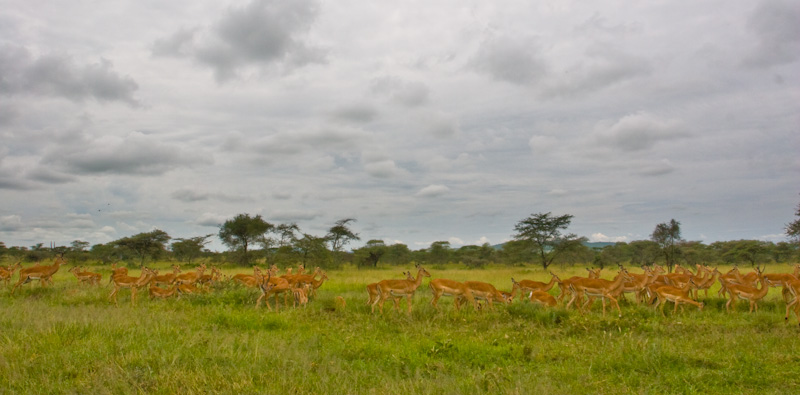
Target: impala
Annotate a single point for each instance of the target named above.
(208, 279)
(134, 283)
(190, 277)
(752, 294)
(528, 286)
(794, 290)
(375, 294)
(248, 280)
(543, 298)
(315, 284)
(444, 287)
(167, 278)
(300, 295)
(676, 295)
(399, 288)
(636, 285)
(272, 285)
(484, 291)
(42, 273)
(156, 292)
(564, 286)
(780, 280)
(599, 288)
(7, 272)
(707, 283)
(85, 277)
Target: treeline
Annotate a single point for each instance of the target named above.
(540, 239)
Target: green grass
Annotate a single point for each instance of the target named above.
(70, 339)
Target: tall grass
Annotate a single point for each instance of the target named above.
(70, 339)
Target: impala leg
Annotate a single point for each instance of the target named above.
(133, 296)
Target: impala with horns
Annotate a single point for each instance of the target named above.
(42, 273)
(400, 288)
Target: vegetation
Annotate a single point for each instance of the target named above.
(542, 233)
(69, 339)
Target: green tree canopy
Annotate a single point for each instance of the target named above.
(793, 228)
(189, 249)
(242, 231)
(146, 244)
(339, 235)
(543, 232)
(667, 236)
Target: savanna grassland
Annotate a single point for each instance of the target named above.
(69, 339)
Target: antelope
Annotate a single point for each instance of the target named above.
(7, 272)
(676, 295)
(300, 295)
(399, 288)
(85, 277)
(374, 294)
(340, 303)
(599, 288)
(752, 294)
(564, 286)
(134, 283)
(272, 286)
(156, 292)
(528, 286)
(458, 290)
(484, 291)
(42, 273)
(190, 278)
(167, 278)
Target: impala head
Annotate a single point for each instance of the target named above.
(423, 271)
(558, 280)
(409, 276)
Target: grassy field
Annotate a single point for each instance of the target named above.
(69, 339)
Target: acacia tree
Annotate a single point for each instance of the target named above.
(147, 244)
(339, 235)
(543, 234)
(668, 235)
(242, 231)
(371, 253)
(191, 248)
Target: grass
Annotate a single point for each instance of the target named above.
(69, 339)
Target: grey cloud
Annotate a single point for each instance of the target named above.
(135, 154)
(50, 176)
(10, 223)
(355, 113)
(60, 76)
(510, 60)
(602, 66)
(656, 169)
(261, 33)
(776, 25)
(294, 216)
(397, 90)
(187, 195)
(433, 191)
(641, 131)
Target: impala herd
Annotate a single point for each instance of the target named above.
(652, 287)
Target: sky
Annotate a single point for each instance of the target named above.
(423, 120)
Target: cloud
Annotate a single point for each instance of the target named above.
(542, 144)
(136, 153)
(512, 60)
(600, 67)
(61, 76)
(10, 223)
(660, 168)
(382, 169)
(777, 32)
(599, 237)
(261, 33)
(211, 219)
(356, 113)
(641, 131)
(433, 191)
(397, 90)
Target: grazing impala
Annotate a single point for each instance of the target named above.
(133, 283)
(484, 291)
(7, 272)
(156, 292)
(400, 288)
(42, 273)
(458, 290)
(794, 291)
(528, 286)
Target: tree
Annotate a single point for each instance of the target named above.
(371, 253)
(397, 254)
(146, 244)
(793, 228)
(668, 235)
(439, 252)
(286, 232)
(191, 248)
(312, 247)
(544, 233)
(242, 231)
(339, 235)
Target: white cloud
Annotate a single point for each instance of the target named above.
(599, 237)
(434, 190)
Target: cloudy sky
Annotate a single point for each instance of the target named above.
(425, 121)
